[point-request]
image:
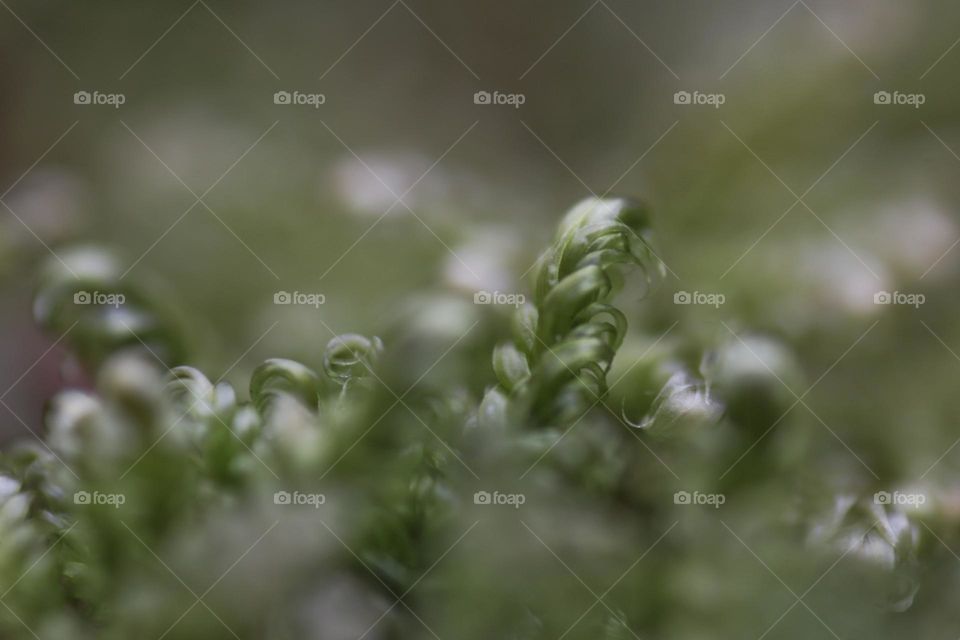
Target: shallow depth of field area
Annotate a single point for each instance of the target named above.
(530, 321)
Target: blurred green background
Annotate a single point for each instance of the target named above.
(797, 199)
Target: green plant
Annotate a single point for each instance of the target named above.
(162, 504)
